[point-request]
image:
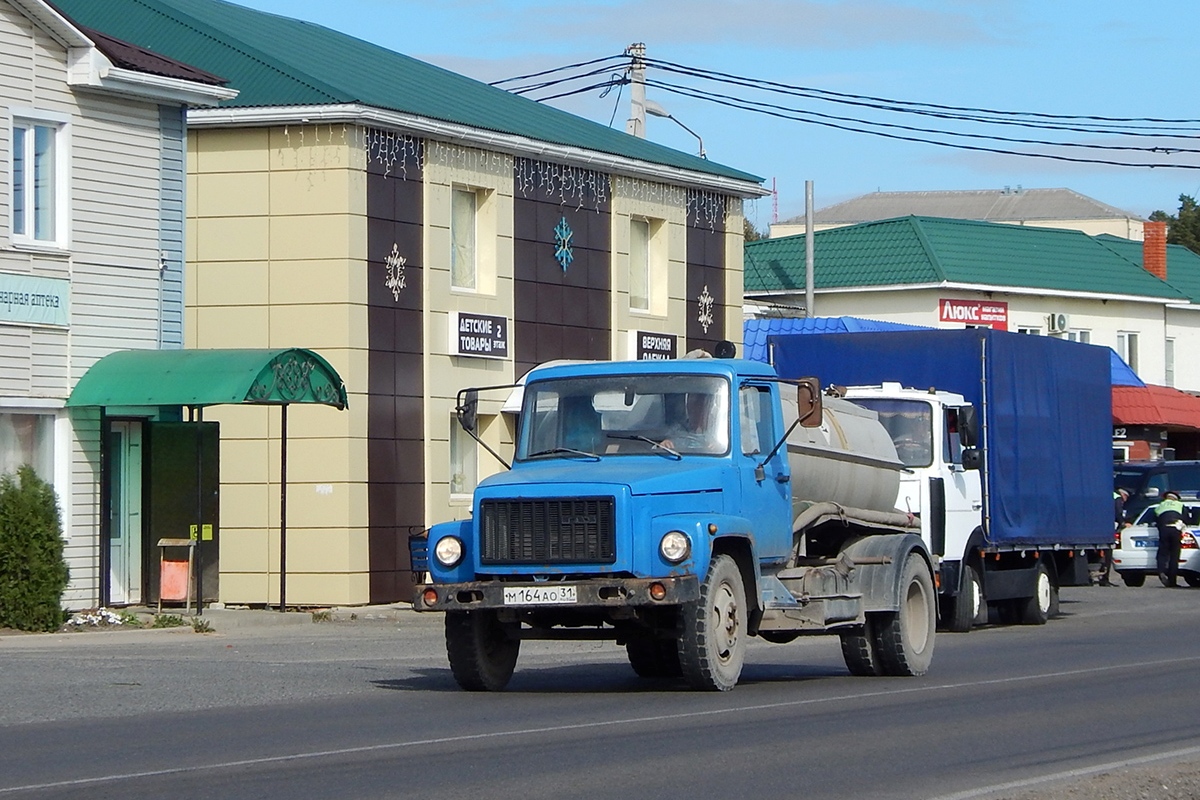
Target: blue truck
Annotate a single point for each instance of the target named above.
(679, 508)
(1006, 441)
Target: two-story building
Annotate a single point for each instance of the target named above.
(425, 232)
(91, 259)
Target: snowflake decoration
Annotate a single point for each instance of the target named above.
(706, 309)
(395, 267)
(562, 244)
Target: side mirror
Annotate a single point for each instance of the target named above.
(468, 411)
(972, 458)
(808, 402)
(968, 426)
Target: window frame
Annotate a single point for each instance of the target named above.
(462, 458)
(31, 120)
(456, 192)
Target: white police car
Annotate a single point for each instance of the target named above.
(1137, 550)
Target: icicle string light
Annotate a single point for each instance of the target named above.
(569, 185)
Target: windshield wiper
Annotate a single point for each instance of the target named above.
(634, 437)
(556, 450)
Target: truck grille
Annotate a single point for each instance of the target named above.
(550, 531)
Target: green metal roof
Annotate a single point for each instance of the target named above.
(1183, 266)
(209, 377)
(934, 250)
(278, 61)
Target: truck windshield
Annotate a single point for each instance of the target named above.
(909, 423)
(615, 415)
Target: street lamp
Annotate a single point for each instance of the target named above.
(655, 110)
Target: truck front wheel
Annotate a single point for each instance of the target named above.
(712, 640)
(654, 658)
(482, 654)
(904, 638)
(969, 607)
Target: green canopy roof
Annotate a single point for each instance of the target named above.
(209, 377)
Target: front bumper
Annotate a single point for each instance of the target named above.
(591, 593)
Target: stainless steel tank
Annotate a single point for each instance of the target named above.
(850, 459)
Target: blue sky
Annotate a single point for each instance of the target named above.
(1097, 58)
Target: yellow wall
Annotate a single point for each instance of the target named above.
(277, 258)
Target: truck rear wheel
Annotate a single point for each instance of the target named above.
(904, 638)
(712, 641)
(858, 652)
(654, 658)
(969, 607)
(482, 654)
(1044, 603)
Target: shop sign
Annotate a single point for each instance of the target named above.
(478, 335)
(31, 300)
(650, 346)
(974, 313)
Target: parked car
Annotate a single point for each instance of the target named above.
(1137, 548)
(1147, 480)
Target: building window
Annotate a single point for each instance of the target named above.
(27, 439)
(464, 462)
(1127, 348)
(1030, 331)
(464, 212)
(647, 266)
(639, 264)
(1080, 336)
(1169, 365)
(38, 164)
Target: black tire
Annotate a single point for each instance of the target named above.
(858, 650)
(969, 608)
(1192, 581)
(904, 638)
(712, 641)
(654, 658)
(481, 652)
(1134, 579)
(1043, 604)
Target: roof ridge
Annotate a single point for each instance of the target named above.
(927, 247)
(222, 39)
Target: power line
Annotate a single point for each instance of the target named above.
(705, 95)
(698, 72)
(558, 69)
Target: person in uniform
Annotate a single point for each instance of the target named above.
(1120, 520)
(1168, 515)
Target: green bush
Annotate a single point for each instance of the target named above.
(33, 574)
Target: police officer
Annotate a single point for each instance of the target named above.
(1169, 517)
(1120, 520)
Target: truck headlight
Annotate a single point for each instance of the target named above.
(675, 546)
(448, 551)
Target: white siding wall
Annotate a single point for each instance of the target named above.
(115, 236)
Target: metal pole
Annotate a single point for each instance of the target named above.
(198, 566)
(809, 308)
(283, 509)
(636, 124)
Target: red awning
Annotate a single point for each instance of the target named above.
(1160, 406)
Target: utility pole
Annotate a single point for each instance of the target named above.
(636, 124)
(809, 262)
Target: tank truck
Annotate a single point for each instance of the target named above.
(679, 508)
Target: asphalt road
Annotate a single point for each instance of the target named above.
(369, 710)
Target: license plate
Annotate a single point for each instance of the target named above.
(539, 595)
(1145, 542)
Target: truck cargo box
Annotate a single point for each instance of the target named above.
(1045, 413)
